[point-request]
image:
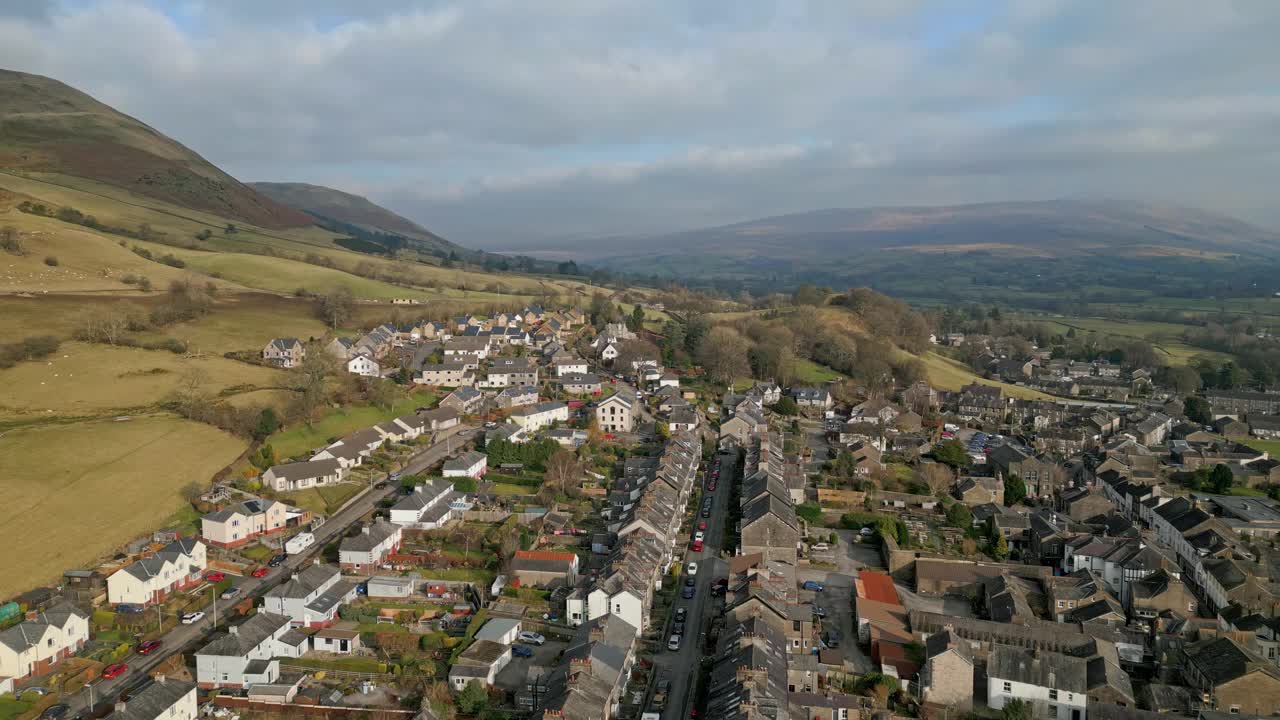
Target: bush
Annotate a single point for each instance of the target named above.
(51, 261)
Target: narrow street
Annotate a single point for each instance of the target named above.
(187, 638)
(681, 667)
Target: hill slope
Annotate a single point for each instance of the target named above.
(328, 204)
(48, 126)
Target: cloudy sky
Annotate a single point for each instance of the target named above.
(504, 123)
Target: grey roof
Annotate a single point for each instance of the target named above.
(25, 634)
(482, 652)
(284, 343)
(153, 701)
(1047, 669)
(430, 492)
(376, 534)
(306, 469)
(247, 636)
(497, 629)
(538, 408)
(465, 461)
(302, 584)
(1222, 659)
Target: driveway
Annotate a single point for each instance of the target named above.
(836, 600)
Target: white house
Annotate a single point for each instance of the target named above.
(1054, 685)
(623, 602)
(150, 580)
(570, 366)
(36, 645)
(311, 596)
(470, 464)
(288, 477)
(614, 414)
(351, 450)
(363, 553)
(364, 365)
(238, 524)
(481, 662)
(163, 699)
(336, 640)
(248, 654)
(544, 414)
(426, 508)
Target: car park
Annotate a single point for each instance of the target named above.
(114, 670)
(147, 647)
(674, 643)
(531, 637)
(192, 618)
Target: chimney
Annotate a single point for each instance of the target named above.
(160, 678)
(365, 530)
(234, 629)
(293, 576)
(120, 707)
(419, 488)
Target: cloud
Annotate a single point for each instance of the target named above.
(501, 122)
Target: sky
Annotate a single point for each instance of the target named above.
(506, 124)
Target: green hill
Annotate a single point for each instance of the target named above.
(49, 127)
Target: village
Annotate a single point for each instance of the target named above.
(575, 530)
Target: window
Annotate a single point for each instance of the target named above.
(1235, 710)
(1053, 694)
(1008, 687)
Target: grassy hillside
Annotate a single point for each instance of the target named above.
(47, 126)
(328, 204)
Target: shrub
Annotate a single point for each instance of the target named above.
(51, 261)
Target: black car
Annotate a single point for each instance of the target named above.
(681, 614)
(687, 593)
(689, 581)
(678, 628)
(55, 712)
(277, 560)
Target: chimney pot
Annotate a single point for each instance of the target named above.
(120, 706)
(234, 629)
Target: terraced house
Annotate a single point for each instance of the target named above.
(178, 565)
(311, 596)
(35, 646)
(364, 552)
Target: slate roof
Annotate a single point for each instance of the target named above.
(153, 701)
(378, 533)
(306, 469)
(1048, 670)
(1222, 660)
(26, 634)
(248, 635)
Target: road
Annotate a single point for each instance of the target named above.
(681, 667)
(185, 638)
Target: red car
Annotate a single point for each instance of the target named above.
(146, 647)
(702, 525)
(114, 670)
(260, 572)
(215, 577)
(697, 546)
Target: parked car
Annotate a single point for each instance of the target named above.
(531, 637)
(832, 638)
(114, 670)
(192, 618)
(702, 524)
(215, 576)
(230, 593)
(699, 535)
(696, 546)
(677, 628)
(682, 613)
(674, 643)
(277, 560)
(692, 569)
(818, 612)
(523, 651)
(128, 609)
(55, 712)
(866, 532)
(261, 572)
(813, 585)
(147, 647)
(687, 592)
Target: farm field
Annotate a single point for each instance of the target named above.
(1164, 337)
(83, 379)
(302, 438)
(87, 261)
(64, 509)
(246, 322)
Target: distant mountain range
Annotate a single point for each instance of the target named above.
(48, 126)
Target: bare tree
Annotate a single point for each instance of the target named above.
(723, 354)
(103, 324)
(937, 476)
(309, 380)
(336, 307)
(633, 351)
(563, 470)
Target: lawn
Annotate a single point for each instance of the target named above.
(76, 492)
(83, 379)
(510, 489)
(460, 574)
(810, 372)
(12, 708)
(302, 438)
(323, 500)
(349, 664)
(1268, 446)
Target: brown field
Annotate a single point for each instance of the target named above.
(73, 493)
(82, 379)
